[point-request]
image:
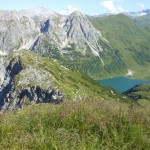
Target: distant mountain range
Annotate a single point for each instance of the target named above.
(44, 12)
(147, 11)
(101, 47)
(37, 12)
(130, 14)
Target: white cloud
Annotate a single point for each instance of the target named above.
(69, 10)
(120, 9)
(111, 6)
(141, 5)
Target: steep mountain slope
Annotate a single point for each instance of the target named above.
(130, 41)
(30, 79)
(74, 41)
(15, 31)
(140, 93)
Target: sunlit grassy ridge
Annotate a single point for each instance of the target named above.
(90, 124)
(73, 84)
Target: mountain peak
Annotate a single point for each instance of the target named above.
(77, 13)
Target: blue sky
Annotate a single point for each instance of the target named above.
(90, 7)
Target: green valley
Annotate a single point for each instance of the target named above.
(130, 41)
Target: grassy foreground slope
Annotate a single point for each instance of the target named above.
(91, 117)
(91, 124)
(131, 41)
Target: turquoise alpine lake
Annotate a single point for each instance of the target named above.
(122, 84)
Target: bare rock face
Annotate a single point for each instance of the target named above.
(22, 86)
(80, 30)
(38, 14)
(2, 69)
(15, 31)
(74, 31)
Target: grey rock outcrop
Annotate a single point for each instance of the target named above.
(18, 92)
(80, 30)
(38, 14)
(2, 69)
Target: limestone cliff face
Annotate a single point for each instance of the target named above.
(74, 32)
(15, 31)
(80, 31)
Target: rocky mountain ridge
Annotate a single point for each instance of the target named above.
(74, 41)
(72, 32)
(32, 79)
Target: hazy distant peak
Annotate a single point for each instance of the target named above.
(39, 11)
(9, 14)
